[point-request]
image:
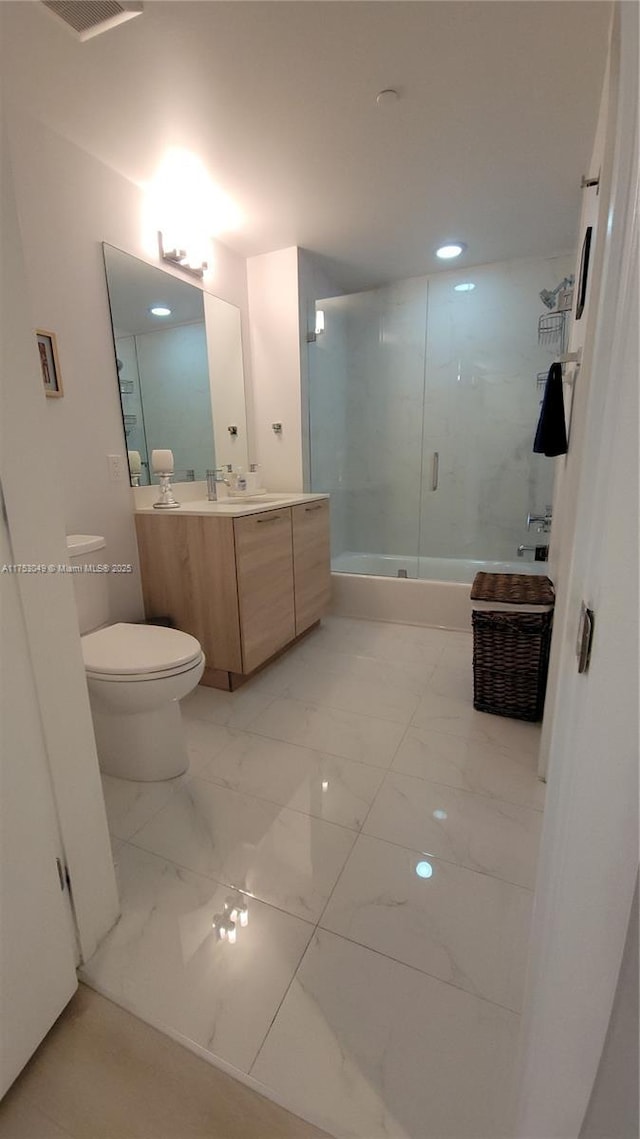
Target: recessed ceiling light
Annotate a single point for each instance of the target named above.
(424, 870)
(446, 252)
(465, 287)
(160, 310)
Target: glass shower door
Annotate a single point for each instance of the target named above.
(366, 379)
(481, 408)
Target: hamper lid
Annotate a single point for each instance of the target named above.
(513, 588)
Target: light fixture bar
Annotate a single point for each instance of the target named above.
(180, 258)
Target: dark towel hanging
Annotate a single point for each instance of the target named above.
(551, 434)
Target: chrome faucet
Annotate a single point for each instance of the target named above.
(541, 521)
(523, 549)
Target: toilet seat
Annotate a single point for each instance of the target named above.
(125, 652)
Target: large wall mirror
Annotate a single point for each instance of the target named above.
(180, 369)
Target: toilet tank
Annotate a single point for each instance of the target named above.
(90, 586)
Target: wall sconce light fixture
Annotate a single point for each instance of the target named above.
(180, 257)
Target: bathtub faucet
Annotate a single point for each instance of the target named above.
(540, 553)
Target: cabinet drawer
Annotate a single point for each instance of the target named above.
(311, 562)
(264, 565)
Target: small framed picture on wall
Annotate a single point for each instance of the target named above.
(49, 363)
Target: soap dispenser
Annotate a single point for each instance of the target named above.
(253, 479)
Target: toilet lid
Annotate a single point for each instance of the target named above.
(126, 650)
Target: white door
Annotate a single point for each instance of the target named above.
(37, 955)
(589, 852)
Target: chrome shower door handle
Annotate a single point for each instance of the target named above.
(434, 470)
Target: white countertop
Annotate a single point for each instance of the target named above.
(234, 508)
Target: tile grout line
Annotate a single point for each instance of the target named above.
(174, 790)
(421, 972)
(361, 831)
(465, 790)
(218, 882)
(284, 996)
(283, 806)
(250, 731)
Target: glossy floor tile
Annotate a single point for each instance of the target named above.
(385, 835)
(481, 833)
(470, 766)
(205, 739)
(165, 959)
(455, 715)
(361, 666)
(355, 687)
(466, 928)
(375, 1049)
(130, 805)
(232, 709)
(351, 735)
(273, 853)
(317, 784)
(402, 644)
(101, 1073)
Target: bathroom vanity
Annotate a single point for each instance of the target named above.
(245, 578)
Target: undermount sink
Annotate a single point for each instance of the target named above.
(256, 498)
(237, 499)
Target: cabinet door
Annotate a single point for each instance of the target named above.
(311, 562)
(188, 574)
(264, 563)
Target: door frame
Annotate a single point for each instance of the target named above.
(589, 852)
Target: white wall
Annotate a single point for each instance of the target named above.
(68, 203)
(226, 379)
(272, 282)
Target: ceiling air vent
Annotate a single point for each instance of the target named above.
(88, 18)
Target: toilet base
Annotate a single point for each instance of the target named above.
(143, 746)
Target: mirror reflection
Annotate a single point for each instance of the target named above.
(180, 371)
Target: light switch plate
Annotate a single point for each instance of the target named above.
(117, 468)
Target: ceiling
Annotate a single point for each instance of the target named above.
(487, 142)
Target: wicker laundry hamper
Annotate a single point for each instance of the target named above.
(512, 620)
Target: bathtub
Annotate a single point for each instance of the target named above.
(435, 591)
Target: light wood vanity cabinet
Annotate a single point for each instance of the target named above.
(245, 587)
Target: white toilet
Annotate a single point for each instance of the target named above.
(136, 675)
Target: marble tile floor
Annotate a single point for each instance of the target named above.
(384, 837)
